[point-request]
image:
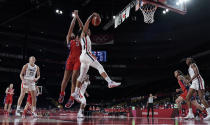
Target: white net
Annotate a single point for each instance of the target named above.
(148, 11)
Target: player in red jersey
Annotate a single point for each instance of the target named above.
(8, 99)
(73, 62)
(184, 88)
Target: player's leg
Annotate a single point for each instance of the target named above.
(25, 110)
(75, 75)
(178, 102)
(95, 64)
(148, 109)
(201, 93)
(83, 71)
(152, 107)
(20, 99)
(5, 108)
(80, 113)
(189, 95)
(33, 98)
(66, 78)
(10, 104)
(9, 107)
(198, 106)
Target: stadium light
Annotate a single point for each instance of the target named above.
(73, 15)
(60, 12)
(164, 12)
(113, 17)
(177, 3)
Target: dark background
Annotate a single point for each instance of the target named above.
(149, 53)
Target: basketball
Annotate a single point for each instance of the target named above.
(96, 20)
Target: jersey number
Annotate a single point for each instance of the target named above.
(31, 73)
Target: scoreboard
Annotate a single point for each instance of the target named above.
(100, 55)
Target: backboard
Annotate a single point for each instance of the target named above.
(178, 6)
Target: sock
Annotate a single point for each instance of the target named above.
(62, 93)
(108, 79)
(190, 111)
(33, 109)
(18, 107)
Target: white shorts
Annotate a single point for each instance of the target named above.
(88, 60)
(29, 84)
(198, 84)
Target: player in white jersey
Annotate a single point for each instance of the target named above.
(30, 73)
(197, 85)
(83, 93)
(87, 59)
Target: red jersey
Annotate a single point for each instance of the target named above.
(75, 49)
(183, 86)
(8, 99)
(10, 91)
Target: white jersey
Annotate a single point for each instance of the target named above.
(30, 72)
(84, 87)
(192, 73)
(86, 44)
(150, 100)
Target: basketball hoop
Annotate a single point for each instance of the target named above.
(148, 11)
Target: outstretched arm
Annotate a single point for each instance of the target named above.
(23, 72)
(86, 26)
(68, 37)
(38, 74)
(78, 19)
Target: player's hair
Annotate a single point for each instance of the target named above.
(32, 57)
(179, 72)
(191, 60)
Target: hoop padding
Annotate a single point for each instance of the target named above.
(148, 11)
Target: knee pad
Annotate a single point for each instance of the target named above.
(100, 68)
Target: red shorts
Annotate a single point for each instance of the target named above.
(184, 95)
(73, 63)
(8, 100)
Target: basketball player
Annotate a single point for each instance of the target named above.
(73, 62)
(184, 88)
(29, 102)
(197, 85)
(87, 59)
(8, 99)
(83, 92)
(27, 75)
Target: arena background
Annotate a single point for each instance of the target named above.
(143, 57)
